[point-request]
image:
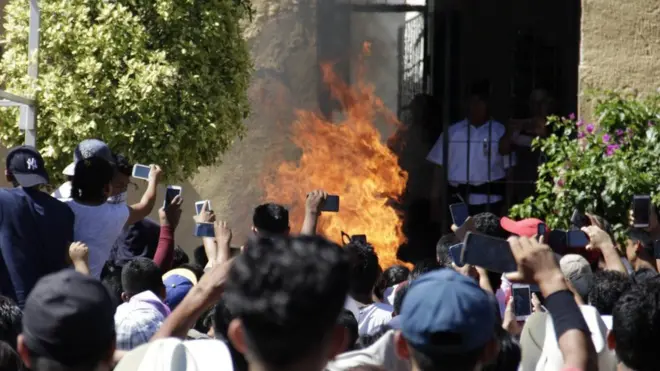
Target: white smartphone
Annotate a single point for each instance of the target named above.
(141, 171)
(200, 204)
(172, 191)
(522, 301)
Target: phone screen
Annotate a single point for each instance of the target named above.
(204, 230)
(200, 204)
(459, 213)
(641, 211)
(540, 230)
(455, 252)
(331, 204)
(170, 194)
(490, 253)
(576, 239)
(141, 171)
(522, 301)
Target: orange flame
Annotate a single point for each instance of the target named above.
(349, 159)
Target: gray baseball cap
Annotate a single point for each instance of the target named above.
(86, 149)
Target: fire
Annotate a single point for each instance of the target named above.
(350, 159)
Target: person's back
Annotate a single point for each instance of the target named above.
(35, 229)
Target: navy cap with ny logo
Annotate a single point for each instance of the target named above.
(26, 165)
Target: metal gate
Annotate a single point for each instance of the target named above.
(412, 63)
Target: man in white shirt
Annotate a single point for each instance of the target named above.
(476, 170)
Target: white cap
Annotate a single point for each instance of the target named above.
(70, 169)
(551, 358)
(175, 355)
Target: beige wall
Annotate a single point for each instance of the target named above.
(620, 46)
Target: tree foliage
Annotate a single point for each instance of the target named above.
(599, 167)
(161, 81)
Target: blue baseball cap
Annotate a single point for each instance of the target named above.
(447, 312)
(27, 166)
(178, 283)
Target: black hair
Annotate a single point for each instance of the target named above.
(636, 326)
(422, 267)
(221, 318)
(489, 224)
(510, 354)
(112, 283)
(364, 267)
(122, 165)
(197, 269)
(348, 321)
(180, 257)
(644, 274)
(142, 274)
(480, 89)
(390, 277)
(432, 361)
(271, 219)
(366, 367)
(11, 321)
(399, 295)
(607, 288)
(200, 257)
(641, 236)
(365, 341)
(442, 249)
(91, 177)
(278, 283)
(9, 359)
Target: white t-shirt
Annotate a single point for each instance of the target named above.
(98, 227)
(482, 141)
(63, 192)
(372, 317)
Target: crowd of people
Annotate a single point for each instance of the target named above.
(89, 283)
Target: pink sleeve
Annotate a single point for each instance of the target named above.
(165, 250)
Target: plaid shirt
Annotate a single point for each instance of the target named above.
(139, 319)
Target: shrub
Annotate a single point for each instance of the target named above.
(598, 167)
(161, 81)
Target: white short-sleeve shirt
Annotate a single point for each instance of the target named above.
(473, 144)
(98, 227)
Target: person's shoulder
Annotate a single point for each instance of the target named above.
(497, 126)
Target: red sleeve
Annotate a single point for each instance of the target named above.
(165, 250)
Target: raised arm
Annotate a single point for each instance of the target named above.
(143, 208)
(313, 205)
(169, 220)
(79, 255)
(600, 240)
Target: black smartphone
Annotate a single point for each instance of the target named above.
(522, 301)
(331, 204)
(576, 239)
(556, 239)
(540, 231)
(204, 230)
(362, 238)
(656, 249)
(641, 211)
(490, 253)
(171, 192)
(459, 213)
(579, 220)
(455, 252)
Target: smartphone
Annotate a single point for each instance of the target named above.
(331, 204)
(200, 204)
(204, 230)
(556, 240)
(490, 253)
(141, 171)
(579, 220)
(656, 249)
(459, 213)
(171, 192)
(576, 239)
(455, 252)
(541, 229)
(522, 301)
(362, 238)
(641, 211)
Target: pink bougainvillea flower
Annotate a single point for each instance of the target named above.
(590, 128)
(580, 134)
(560, 183)
(606, 138)
(619, 132)
(579, 123)
(571, 116)
(611, 149)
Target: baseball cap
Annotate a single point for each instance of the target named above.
(174, 354)
(577, 270)
(551, 358)
(27, 166)
(178, 283)
(445, 301)
(524, 228)
(68, 318)
(86, 149)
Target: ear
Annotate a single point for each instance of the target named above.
(236, 335)
(401, 346)
(125, 297)
(23, 351)
(490, 352)
(339, 341)
(611, 341)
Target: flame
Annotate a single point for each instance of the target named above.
(350, 159)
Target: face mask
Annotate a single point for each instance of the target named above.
(118, 199)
